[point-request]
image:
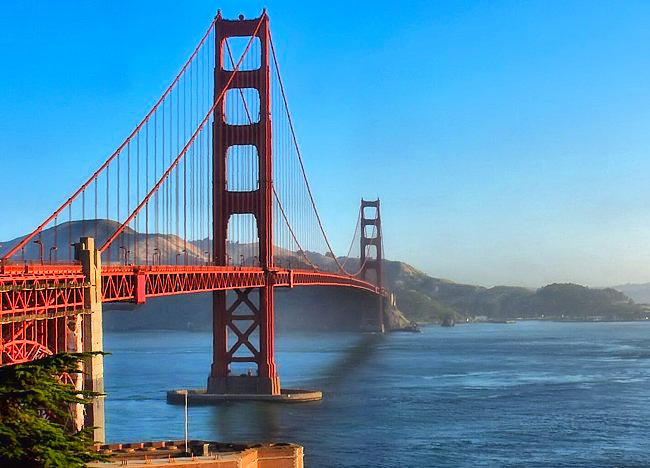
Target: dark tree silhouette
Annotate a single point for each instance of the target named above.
(36, 428)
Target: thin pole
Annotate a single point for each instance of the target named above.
(187, 426)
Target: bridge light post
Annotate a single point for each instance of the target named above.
(178, 254)
(40, 248)
(155, 253)
(54, 248)
(126, 253)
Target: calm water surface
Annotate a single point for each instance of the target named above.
(531, 393)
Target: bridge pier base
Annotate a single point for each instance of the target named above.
(177, 397)
(248, 318)
(249, 321)
(241, 384)
(93, 340)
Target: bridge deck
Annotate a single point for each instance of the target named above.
(29, 290)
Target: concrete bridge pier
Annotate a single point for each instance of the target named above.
(93, 340)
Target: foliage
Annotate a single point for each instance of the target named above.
(35, 416)
(423, 298)
(420, 307)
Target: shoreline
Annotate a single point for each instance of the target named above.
(537, 319)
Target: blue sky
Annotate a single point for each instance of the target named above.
(509, 141)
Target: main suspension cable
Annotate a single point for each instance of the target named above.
(300, 160)
(187, 145)
(96, 174)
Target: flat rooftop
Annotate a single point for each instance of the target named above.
(203, 454)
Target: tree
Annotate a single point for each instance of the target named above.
(36, 428)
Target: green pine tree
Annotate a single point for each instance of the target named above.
(35, 417)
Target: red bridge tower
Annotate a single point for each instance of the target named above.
(371, 260)
(247, 316)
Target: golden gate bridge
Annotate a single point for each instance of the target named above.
(208, 193)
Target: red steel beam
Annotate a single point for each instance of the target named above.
(135, 284)
(35, 303)
(42, 289)
(36, 299)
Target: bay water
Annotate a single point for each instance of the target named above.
(525, 394)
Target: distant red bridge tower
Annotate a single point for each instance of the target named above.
(371, 260)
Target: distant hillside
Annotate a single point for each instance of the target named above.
(640, 293)
(424, 298)
(419, 296)
(142, 246)
(317, 308)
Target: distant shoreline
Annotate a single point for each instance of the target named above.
(543, 319)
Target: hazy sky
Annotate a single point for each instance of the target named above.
(509, 141)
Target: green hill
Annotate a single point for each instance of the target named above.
(424, 298)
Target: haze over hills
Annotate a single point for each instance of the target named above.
(172, 248)
(69, 232)
(422, 297)
(640, 293)
(419, 296)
